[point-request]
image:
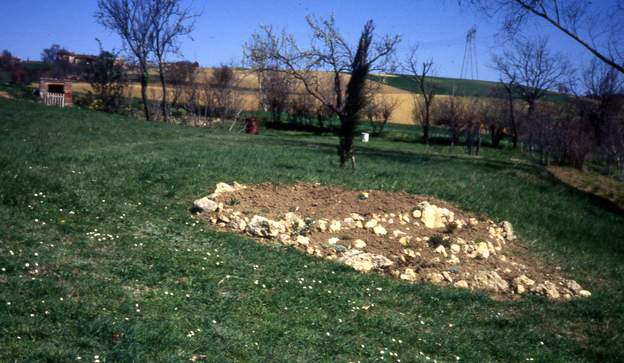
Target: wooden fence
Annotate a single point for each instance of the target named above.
(54, 99)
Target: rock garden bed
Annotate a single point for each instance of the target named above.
(413, 238)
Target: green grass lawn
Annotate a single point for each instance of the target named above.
(96, 240)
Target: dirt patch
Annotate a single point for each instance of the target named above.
(5, 94)
(411, 237)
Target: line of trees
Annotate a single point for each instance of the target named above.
(329, 79)
(150, 29)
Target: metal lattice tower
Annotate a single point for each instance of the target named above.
(470, 67)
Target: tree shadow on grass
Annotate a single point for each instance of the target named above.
(479, 163)
(408, 157)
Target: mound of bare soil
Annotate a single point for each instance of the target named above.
(414, 238)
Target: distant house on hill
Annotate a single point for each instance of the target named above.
(75, 58)
(8, 60)
(56, 92)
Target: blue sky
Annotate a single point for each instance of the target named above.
(224, 26)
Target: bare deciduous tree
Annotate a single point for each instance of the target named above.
(533, 69)
(598, 31)
(274, 84)
(275, 88)
(471, 121)
(495, 115)
(180, 77)
(52, 57)
(420, 74)
(133, 20)
(170, 21)
(329, 51)
(450, 111)
(108, 81)
(603, 107)
(508, 81)
(387, 107)
(220, 94)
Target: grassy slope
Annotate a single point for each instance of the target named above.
(442, 85)
(137, 180)
(448, 86)
(606, 187)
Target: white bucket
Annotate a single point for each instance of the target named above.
(365, 136)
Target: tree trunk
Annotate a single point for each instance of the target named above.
(512, 118)
(426, 132)
(382, 126)
(497, 134)
(163, 84)
(345, 147)
(478, 146)
(144, 81)
(426, 125)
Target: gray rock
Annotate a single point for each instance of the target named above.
(294, 222)
(547, 289)
(205, 204)
(409, 275)
(435, 277)
(365, 262)
(379, 230)
(264, 227)
(359, 244)
(508, 231)
(490, 280)
(573, 286)
(433, 216)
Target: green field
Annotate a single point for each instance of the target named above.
(455, 86)
(442, 85)
(169, 288)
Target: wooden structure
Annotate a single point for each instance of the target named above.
(56, 92)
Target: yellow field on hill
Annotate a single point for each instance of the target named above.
(248, 86)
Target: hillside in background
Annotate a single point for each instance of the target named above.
(441, 85)
(449, 86)
(398, 86)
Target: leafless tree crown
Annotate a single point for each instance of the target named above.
(598, 30)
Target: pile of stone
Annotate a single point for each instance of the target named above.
(450, 253)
